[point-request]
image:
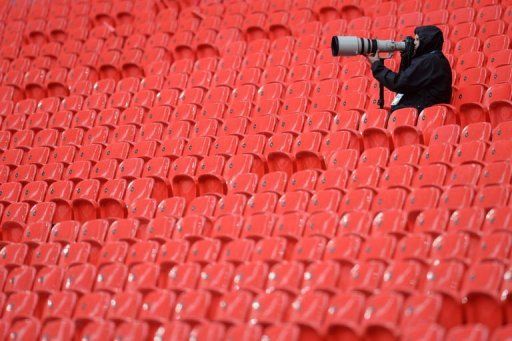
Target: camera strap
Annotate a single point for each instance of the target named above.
(380, 102)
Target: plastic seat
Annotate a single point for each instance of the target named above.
(140, 252)
(19, 279)
(397, 176)
(58, 328)
(365, 277)
(292, 201)
(464, 175)
(172, 148)
(495, 246)
(79, 278)
(45, 254)
(204, 251)
(231, 204)
(496, 43)
(357, 199)
(333, 179)
(291, 123)
(228, 227)
(172, 252)
(213, 330)
(123, 230)
(94, 232)
(344, 313)
(410, 277)
(325, 200)
(27, 328)
(64, 232)
(486, 294)
(172, 208)
(202, 205)
(494, 174)
(84, 199)
(437, 153)
(274, 182)
(22, 139)
(422, 198)
(159, 229)
(74, 253)
(468, 101)
(209, 175)
(111, 277)
(192, 306)
(307, 312)
(110, 199)
(260, 203)
(159, 305)
(391, 222)
(142, 277)
(12, 157)
(492, 196)
(237, 251)
(381, 315)
(129, 329)
(451, 246)
(14, 220)
(23, 174)
(372, 126)
(250, 276)
(267, 308)
(290, 226)
(61, 305)
(124, 306)
(432, 221)
(498, 100)
(216, 277)
(364, 177)
(356, 223)
(270, 250)
(497, 151)
(455, 198)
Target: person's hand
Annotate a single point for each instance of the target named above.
(372, 58)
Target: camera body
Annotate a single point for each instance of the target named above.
(353, 46)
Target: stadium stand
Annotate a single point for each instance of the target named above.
(206, 170)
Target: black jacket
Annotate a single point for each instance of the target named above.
(427, 81)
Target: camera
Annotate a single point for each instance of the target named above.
(352, 46)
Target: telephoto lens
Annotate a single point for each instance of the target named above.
(353, 46)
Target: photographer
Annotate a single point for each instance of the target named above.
(425, 76)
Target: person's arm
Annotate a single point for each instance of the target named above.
(416, 76)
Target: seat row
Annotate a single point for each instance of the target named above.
(196, 93)
(272, 263)
(213, 173)
(144, 198)
(277, 22)
(351, 209)
(188, 176)
(235, 239)
(267, 117)
(323, 307)
(295, 151)
(104, 329)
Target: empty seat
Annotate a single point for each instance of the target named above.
(382, 314)
(481, 288)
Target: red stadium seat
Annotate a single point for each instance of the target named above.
(213, 164)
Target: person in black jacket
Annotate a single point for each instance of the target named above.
(426, 81)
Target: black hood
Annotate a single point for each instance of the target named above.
(431, 39)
